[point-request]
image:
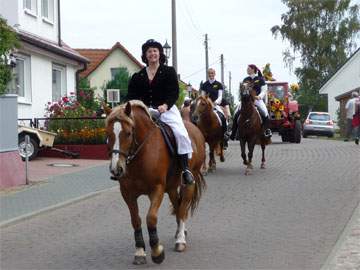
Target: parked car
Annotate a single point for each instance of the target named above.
(319, 124)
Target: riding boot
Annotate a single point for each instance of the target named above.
(234, 126)
(266, 123)
(188, 178)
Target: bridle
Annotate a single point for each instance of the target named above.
(134, 149)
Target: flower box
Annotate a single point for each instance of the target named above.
(86, 151)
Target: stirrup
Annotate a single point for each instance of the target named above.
(187, 177)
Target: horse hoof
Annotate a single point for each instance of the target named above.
(247, 172)
(180, 247)
(222, 159)
(138, 260)
(158, 259)
(262, 166)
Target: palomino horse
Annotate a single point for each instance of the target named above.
(207, 121)
(250, 129)
(143, 165)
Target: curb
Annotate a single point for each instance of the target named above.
(341, 240)
(15, 220)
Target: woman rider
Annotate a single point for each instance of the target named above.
(260, 87)
(157, 86)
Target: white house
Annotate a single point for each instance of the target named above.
(46, 68)
(345, 79)
(105, 63)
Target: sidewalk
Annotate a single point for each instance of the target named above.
(52, 187)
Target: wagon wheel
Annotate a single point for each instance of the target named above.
(297, 132)
(33, 148)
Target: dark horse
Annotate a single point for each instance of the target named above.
(143, 165)
(250, 129)
(206, 120)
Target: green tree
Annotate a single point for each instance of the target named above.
(85, 95)
(323, 35)
(120, 81)
(8, 41)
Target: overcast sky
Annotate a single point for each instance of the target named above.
(238, 29)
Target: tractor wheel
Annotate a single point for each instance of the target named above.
(33, 148)
(297, 132)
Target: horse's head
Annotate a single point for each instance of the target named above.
(246, 91)
(202, 104)
(120, 128)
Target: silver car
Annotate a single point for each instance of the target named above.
(320, 124)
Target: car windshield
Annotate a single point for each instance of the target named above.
(277, 91)
(319, 117)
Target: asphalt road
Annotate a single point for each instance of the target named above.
(288, 216)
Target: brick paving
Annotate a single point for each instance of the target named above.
(289, 216)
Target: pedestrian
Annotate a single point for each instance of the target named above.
(158, 87)
(356, 120)
(350, 111)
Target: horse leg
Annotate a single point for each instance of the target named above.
(243, 154)
(212, 164)
(157, 250)
(140, 255)
(222, 158)
(249, 167)
(263, 156)
(187, 193)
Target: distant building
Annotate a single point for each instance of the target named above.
(46, 67)
(105, 63)
(340, 84)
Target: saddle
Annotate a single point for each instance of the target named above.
(168, 135)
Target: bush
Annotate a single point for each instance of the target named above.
(74, 131)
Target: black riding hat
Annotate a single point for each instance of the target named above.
(151, 43)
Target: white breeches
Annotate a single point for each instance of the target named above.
(261, 106)
(173, 118)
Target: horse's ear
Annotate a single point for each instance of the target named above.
(107, 109)
(128, 108)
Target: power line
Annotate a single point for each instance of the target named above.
(200, 70)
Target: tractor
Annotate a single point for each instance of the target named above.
(284, 112)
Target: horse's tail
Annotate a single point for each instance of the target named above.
(200, 186)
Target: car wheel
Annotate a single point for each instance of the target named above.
(305, 135)
(33, 148)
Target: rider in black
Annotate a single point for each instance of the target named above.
(215, 90)
(260, 87)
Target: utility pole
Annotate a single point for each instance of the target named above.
(206, 56)
(222, 68)
(230, 82)
(174, 46)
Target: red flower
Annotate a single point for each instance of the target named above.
(65, 99)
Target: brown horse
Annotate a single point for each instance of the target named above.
(143, 165)
(207, 121)
(250, 129)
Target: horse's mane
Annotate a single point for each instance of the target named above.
(118, 109)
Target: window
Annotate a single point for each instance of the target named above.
(30, 7)
(21, 81)
(319, 117)
(58, 82)
(47, 10)
(114, 72)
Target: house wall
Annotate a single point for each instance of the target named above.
(102, 73)
(346, 79)
(41, 80)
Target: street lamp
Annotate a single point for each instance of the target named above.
(189, 89)
(167, 50)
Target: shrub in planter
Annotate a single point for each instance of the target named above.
(74, 131)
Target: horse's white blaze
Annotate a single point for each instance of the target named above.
(115, 156)
(180, 239)
(140, 252)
